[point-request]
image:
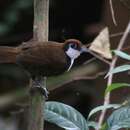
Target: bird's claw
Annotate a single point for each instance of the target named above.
(37, 86)
(46, 92)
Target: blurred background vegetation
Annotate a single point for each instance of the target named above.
(80, 19)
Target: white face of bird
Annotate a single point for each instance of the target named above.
(73, 52)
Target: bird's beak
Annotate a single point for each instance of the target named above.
(83, 49)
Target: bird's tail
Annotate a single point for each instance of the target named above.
(8, 54)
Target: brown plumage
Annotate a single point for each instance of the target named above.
(40, 58)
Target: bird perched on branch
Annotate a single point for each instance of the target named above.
(43, 58)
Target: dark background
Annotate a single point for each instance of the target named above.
(80, 19)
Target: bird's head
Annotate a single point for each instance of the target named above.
(73, 48)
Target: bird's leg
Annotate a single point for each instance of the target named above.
(38, 83)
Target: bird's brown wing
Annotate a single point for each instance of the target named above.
(42, 56)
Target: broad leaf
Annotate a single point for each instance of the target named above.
(103, 107)
(122, 54)
(115, 86)
(118, 69)
(119, 119)
(64, 116)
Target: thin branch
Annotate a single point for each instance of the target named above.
(75, 78)
(116, 34)
(89, 61)
(99, 57)
(110, 78)
(112, 13)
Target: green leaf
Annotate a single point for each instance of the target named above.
(122, 54)
(119, 119)
(114, 86)
(92, 124)
(64, 116)
(118, 69)
(103, 107)
(104, 126)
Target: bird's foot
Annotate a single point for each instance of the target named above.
(37, 85)
(45, 93)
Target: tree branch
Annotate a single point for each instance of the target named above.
(110, 78)
(40, 30)
(88, 71)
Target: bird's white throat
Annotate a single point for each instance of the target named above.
(73, 54)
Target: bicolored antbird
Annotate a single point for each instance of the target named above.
(43, 58)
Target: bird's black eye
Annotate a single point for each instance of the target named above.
(73, 45)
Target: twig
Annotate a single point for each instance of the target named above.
(116, 34)
(109, 82)
(99, 57)
(112, 13)
(89, 61)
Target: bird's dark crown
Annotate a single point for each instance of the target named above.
(74, 43)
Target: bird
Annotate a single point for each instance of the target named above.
(48, 58)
